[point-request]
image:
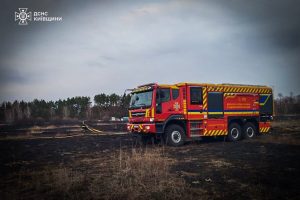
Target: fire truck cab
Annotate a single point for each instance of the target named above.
(184, 111)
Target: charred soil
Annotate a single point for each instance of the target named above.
(89, 166)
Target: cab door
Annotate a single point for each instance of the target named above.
(195, 102)
(167, 103)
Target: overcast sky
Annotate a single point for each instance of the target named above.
(108, 46)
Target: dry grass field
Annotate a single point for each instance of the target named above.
(114, 166)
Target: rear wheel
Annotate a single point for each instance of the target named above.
(174, 135)
(234, 132)
(249, 131)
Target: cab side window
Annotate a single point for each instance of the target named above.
(163, 94)
(175, 93)
(196, 95)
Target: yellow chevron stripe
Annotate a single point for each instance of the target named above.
(207, 133)
(259, 90)
(216, 132)
(266, 130)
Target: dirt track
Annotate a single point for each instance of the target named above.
(267, 167)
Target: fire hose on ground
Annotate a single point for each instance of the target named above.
(85, 127)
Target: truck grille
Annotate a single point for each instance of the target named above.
(138, 114)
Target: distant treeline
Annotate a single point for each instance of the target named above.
(287, 105)
(75, 108)
(105, 106)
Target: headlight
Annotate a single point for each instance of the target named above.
(151, 119)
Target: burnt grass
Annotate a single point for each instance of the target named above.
(267, 167)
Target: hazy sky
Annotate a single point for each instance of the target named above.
(108, 46)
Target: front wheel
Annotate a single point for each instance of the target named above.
(234, 132)
(175, 135)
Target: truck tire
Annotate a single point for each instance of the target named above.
(234, 132)
(174, 135)
(249, 131)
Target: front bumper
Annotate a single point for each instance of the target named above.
(141, 128)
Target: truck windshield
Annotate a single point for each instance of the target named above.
(141, 99)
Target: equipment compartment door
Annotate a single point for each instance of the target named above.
(215, 105)
(216, 122)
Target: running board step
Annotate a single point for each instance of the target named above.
(196, 129)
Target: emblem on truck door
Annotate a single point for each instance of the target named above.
(176, 106)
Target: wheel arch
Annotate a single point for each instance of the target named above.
(243, 120)
(175, 119)
(255, 122)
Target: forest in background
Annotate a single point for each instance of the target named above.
(75, 108)
(105, 106)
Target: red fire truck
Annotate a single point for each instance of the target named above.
(184, 111)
